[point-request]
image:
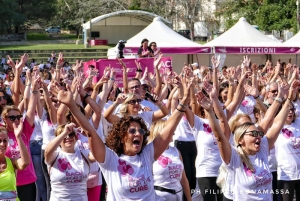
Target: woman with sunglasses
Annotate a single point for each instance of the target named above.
(170, 181)
(12, 115)
(8, 82)
(131, 107)
(9, 166)
(68, 167)
(155, 49)
(248, 161)
(127, 160)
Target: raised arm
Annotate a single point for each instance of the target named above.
(157, 89)
(22, 162)
(95, 142)
(30, 113)
(51, 109)
(162, 140)
(108, 114)
(279, 120)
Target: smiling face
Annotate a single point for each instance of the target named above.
(291, 115)
(3, 142)
(133, 105)
(224, 94)
(133, 141)
(13, 116)
(272, 93)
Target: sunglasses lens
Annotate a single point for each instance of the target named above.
(132, 131)
(72, 135)
(142, 131)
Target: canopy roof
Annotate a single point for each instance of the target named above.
(138, 14)
(294, 41)
(243, 38)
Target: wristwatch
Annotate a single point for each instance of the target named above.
(86, 95)
(278, 99)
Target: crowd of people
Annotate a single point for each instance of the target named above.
(202, 134)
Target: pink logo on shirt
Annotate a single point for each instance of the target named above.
(207, 128)
(63, 165)
(244, 103)
(164, 161)
(125, 169)
(287, 133)
(247, 170)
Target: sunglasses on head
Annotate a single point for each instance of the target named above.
(132, 102)
(255, 133)
(135, 87)
(3, 97)
(4, 141)
(133, 131)
(14, 117)
(71, 135)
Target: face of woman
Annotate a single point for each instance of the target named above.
(153, 46)
(11, 77)
(13, 116)
(69, 142)
(133, 106)
(3, 143)
(145, 44)
(250, 140)
(224, 94)
(290, 118)
(133, 140)
(3, 100)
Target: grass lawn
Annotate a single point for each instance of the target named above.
(50, 47)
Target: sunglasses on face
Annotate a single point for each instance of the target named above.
(255, 133)
(274, 91)
(2, 97)
(14, 117)
(71, 135)
(4, 141)
(292, 109)
(132, 102)
(135, 87)
(133, 131)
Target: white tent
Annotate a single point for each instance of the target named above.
(294, 41)
(170, 43)
(274, 38)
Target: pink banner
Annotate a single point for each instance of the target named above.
(174, 50)
(166, 65)
(257, 50)
(114, 63)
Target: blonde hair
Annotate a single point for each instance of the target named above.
(3, 130)
(238, 134)
(59, 129)
(7, 109)
(234, 121)
(156, 129)
(124, 106)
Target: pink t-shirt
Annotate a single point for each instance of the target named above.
(27, 175)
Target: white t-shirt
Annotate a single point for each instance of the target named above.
(129, 177)
(41, 66)
(250, 186)
(288, 153)
(297, 107)
(167, 170)
(37, 131)
(272, 160)
(106, 125)
(183, 131)
(208, 160)
(247, 106)
(68, 177)
(48, 130)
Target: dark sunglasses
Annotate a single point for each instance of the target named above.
(132, 102)
(274, 91)
(255, 133)
(145, 88)
(3, 97)
(292, 109)
(135, 87)
(71, 135)
(133, 131)
(41, 91)
(14, 117)
(4, 141)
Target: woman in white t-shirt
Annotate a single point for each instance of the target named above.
(252, 178)
(131, 107)
(170, 181)
(126, 161)
(68, 167)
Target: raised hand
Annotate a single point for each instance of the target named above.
(18, 129)
(157, 61)
(253, 91)
(215, 62)
(10, 62)
(246, 61)
(205, 102)
(121, 98)
(60, 60)
(207, 87)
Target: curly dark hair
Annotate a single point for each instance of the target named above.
(119, 131)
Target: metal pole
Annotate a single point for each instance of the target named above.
(297, 3)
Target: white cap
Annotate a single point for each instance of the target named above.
(143, 82)
(195, 64)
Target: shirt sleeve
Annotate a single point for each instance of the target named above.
(110, 158)
(27, 129)
(235, 160)
(149, 151)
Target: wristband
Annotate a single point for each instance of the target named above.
(86, 95)
(138, 70)
(180, 110)
(35, 92)
(112, 78)
(183, 106)
(256, 97)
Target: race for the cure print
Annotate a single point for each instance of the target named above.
(135, 183)
(261, 178)
(208, 130)
(174, 170)
(288, 134)
(72, 175)
(14, 149)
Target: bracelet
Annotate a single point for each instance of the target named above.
(86, 95)
(28, 84)
(184, 106)
(35, 92)
(180, 110)
(138, 70)
(289, 99)
(112, 78)
(256, 97)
